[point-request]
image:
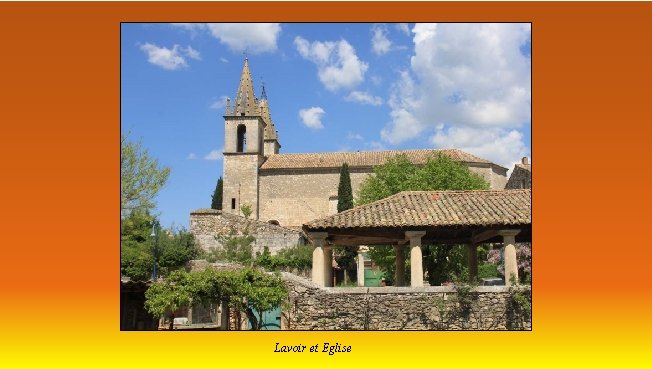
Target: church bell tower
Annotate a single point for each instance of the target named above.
(249, 136)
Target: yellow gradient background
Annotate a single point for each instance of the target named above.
(59, 150)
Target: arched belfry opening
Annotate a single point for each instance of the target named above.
(242, 138)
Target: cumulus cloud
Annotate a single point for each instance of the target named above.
(254, 38)
(403, 27)
(192, 53)
(219, 103)
(364, 98)
(169, 59)
(191, 156)
(504, 147)
(379, 42)
(214, 155)
(311, 117)
(338, 66)
(463, 78)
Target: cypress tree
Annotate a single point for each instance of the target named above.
(344, 191)
(217, 195)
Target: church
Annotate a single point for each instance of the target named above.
(285, 191)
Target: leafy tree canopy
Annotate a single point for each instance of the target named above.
(249, 290)
(439, 173)
(174, 249)
(141, 177)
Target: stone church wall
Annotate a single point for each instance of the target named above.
(398, 308)
(206, 224)
(294, 197)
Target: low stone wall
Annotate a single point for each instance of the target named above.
(401, 308)
(206, 224)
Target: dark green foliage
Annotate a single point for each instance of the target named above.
(345, 256)
(344, 191)
(235, 248)
(175, 247)
(295, 257)
(488, 270)
(439, 173)
(444, 263)
(249, 290)
(217, 195)
(398, 174)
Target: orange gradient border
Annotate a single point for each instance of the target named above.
(60, 114)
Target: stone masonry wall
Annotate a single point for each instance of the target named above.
(399, 308)
(520, 178)
(295, 197)
(205, 224)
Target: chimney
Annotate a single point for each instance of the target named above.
(524, 160)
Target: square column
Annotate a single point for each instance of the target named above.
(360, 267)
(318, 239)
(511, 265)
(416, 257)
(328, 266)
(399, 278)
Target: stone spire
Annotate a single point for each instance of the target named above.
(270, 130)
(246, 102)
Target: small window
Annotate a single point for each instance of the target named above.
(273, 221)
(233, 203)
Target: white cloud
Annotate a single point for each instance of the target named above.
(224, 60)
(379, 42)
(254, 38)
(337, 64)
(403, 27)
(354, 136)
(219, 103)
(504, 147)
(165, 58)
(364, 98)
(311, 117)
(468, 78)
(214, 155)
(191, 156)
(192, 53)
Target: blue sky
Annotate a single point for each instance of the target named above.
(331, 87)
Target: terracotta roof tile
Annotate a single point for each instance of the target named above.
(360, 159)
(432, 208)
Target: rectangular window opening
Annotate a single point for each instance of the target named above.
(233, 203)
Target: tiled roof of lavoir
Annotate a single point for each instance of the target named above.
(360, 159)
(435, 208)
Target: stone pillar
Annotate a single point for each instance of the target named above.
(360, 267)
(416, 258)
(318, 240)
(472, 260)
(328, 266)
(399, 278)
(511, 265)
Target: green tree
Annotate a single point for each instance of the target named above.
(175, 247)
(169, 295)
(344, 191)
(249, 290)
(439, 173)
(345, 256)
(141, 177)
(217, 195)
